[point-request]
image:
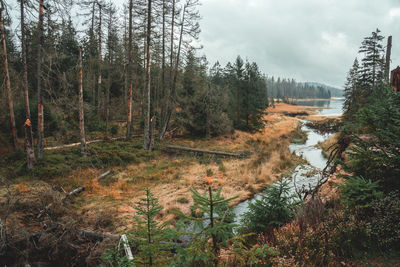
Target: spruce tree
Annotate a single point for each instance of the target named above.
(212, 227)
(351, 91)
(150, 235)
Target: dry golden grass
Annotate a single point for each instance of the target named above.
(287, 108)
(318, 118)
(171, 177)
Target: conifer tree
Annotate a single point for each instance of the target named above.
(211, 230)
(372, 64)
(351, 91)
(149, 234)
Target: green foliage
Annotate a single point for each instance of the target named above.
(61, 162)
(275, 208)
(384, 224)
(114, 129)
(363, 78)
(257, 255)
(203, 104)
(358, 193)
(149, 234)
(376, 137)
(216, 224)
(248, 95)
(113, 258)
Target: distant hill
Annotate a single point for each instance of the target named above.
(335, 92)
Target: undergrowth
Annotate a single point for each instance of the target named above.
(62, 161)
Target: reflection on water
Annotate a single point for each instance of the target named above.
(332, 107)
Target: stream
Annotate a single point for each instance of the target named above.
(304, 174)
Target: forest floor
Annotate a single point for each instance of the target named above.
(170, 176)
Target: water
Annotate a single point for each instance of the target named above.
(331, 107)
(305, 175)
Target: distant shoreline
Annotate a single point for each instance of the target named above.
(317, 99)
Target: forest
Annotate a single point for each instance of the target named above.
(121, 145)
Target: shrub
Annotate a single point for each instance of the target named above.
(275, 208)
(358, 194)
(385, 222)
(114, 129)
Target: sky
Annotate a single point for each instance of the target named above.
(308, 40)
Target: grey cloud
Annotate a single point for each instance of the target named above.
(313, 40)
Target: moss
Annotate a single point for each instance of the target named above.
(61, 162)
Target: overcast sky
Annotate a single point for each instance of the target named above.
(309, 40)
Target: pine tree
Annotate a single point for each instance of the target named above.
(372, 64)
(351, 92)
(150, 235)
(212, 229)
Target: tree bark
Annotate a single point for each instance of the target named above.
(7, 78)
(387, 61)
(39, 82)
(30, 154)
(81, 111)
(99, 62)
(166, 114)
(129, 73)
(147, 134)
(91, 46)
(172, 102)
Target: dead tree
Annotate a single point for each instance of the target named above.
(7, 78)
(30, 154)
(81, 111)
(165, 114)
(99, 59)
(189, 27)
(387, 60)
(129, 73)
(39, 81)
(147, 131)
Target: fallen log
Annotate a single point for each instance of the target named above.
(103, 175)
(204, 151)
(89, 142)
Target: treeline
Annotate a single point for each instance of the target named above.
(137, 64)
(289, 88)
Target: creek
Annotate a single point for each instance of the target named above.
(306, 175)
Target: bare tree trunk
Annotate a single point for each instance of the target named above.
(172, 102)
(39, 82)
(147, 134)
(30, 154)
(7, 78)
(99, 63)
(109, 45)
(81, 112)
(387, 62)
(129, 73)
(91, 63)
(166, 114)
